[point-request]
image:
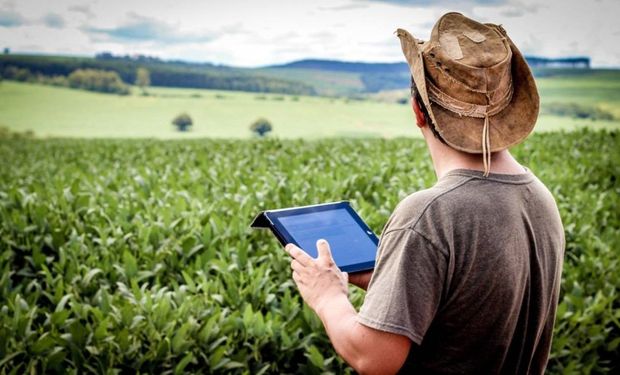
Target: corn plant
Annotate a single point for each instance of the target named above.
(136, 256)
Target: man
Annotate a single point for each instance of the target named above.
(468, 272)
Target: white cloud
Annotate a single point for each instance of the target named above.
(254, 33)
(146, 29)
(10, 18)
(54, 21)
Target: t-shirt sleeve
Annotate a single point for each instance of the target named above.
(406, 286)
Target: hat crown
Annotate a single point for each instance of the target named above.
(469, 42)
(469, 60)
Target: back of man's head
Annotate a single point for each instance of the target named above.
(475, 86)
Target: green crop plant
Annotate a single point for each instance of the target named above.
(136, 255)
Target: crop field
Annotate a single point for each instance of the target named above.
(63, 112)
(136, 256)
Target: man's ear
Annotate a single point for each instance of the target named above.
(419, 115)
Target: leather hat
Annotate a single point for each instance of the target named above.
(477, 87)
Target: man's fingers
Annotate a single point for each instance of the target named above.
(297, 278)
(296, 266)
(298, 254)
(324, 251)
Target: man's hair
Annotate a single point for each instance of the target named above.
(415, 95)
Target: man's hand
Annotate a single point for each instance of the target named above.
(324, 288)
(319, 280)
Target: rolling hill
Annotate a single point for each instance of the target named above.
(303, 77)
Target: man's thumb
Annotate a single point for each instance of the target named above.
(323, 249)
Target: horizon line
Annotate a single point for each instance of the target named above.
(280, 64)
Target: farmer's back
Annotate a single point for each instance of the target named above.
(475, 265)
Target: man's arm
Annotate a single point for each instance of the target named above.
(360, 279)
(324, 288)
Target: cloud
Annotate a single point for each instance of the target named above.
(144, 29)
(322, 35)
(519, 9)
(11, 19)
(419, 3)
(349, 6)
(54, 21)
(84, 9)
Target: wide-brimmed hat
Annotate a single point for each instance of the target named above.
(477, 87)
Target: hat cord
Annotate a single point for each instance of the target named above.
(486, 147)
(486, 139)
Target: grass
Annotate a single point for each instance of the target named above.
(601, 88)
(61, 112)
(72, 113)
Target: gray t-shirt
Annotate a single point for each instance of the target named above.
(469, 270)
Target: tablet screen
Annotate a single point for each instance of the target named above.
(349, 242)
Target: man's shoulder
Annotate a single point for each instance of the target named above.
(424, 202)
(465, 197)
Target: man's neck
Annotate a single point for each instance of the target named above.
(446, 159)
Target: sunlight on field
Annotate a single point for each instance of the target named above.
(72, 113)
(555, 123)
(63, 112)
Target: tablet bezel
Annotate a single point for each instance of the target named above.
(285, 237)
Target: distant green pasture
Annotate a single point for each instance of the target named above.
(73, 113)
(601, 88)
(62, 112)
(326, 82)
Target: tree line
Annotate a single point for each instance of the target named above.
(162, 73)
(85, 79)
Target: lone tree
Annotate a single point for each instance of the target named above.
(182, 122)
(143, 79)
(261, 127)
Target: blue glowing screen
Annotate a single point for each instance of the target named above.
(349, 242)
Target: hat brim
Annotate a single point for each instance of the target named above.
(506, 128)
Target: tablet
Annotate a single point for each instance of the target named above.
(353, 244)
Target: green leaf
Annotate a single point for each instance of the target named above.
(191, 286)
(102, 330)
(59, 317)
(63, 301)
(180, 367)
(613, 344)
(248, 316)
(44, 343)
(179, 341)
(130, 263)
(90, 275)
(216, 359)
(315, 357)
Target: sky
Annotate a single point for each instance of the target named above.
(252, 33)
